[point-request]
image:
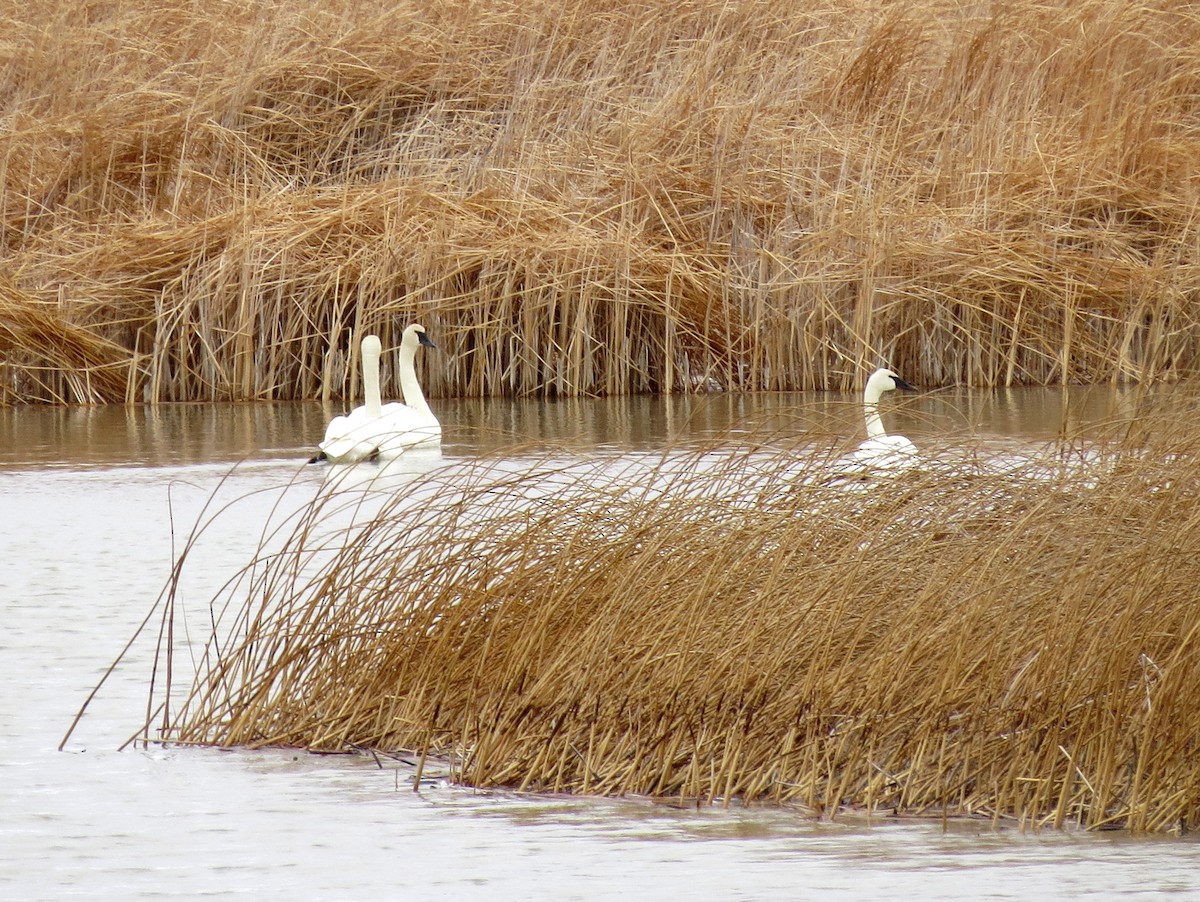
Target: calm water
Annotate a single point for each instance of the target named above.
(93, 502)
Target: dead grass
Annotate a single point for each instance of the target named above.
(727, 623)
(589, 199)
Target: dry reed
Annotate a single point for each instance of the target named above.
(730, 623)
(202, 202)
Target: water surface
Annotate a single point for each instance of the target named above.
(98, 500)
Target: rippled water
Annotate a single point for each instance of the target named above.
(95, 501)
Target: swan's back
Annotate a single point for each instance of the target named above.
(889, 452)
(403, 427)
(349, 438)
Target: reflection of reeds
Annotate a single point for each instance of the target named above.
(594, 198)
(733, 624)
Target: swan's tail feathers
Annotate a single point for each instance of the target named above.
(345, 450)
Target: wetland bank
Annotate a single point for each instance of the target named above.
(584, 200)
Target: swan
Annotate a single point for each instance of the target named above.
(881, 449)
(376, 430)
(412, 423)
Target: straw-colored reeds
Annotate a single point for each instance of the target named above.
(736, 623)
(210, 202)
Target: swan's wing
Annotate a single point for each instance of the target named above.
(889, 452)
(898, 443)
(337, 427)
(396, 408)
(405, 415)
(401, 427)
(347, 450)
(334, 446)
(360, 436)
(350, 438)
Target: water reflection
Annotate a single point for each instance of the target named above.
(193, 433)
(153, 435)
(383, 476)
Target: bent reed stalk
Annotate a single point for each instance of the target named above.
(730, 623)
(594, 198)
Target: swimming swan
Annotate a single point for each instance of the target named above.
(881, 449)
(414, 421)
(378, 430)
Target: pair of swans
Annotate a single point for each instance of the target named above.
(384, 431)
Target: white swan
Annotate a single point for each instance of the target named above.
(880, 449)
(412, 423)
(378, 430)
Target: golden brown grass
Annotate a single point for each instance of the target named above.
(210, 201)
(728, 623)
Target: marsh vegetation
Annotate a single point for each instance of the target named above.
(1013, 638)
(202, 202)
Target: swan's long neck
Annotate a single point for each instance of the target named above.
(371, 397)
(409, 386)
(874, 423)
(871, 406)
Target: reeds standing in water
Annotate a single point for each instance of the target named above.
(733, 624)
(585, 197)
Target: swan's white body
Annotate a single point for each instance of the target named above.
(880, 450)
(384, 431)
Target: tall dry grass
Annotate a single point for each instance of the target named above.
(205, 201)
(730, 623)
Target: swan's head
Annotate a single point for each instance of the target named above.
(371, 346)
(883, 380)
(415, 334)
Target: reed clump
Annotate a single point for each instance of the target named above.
(203, 202)
(731, 623)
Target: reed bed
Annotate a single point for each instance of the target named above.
(213, 202)
(1012, 638)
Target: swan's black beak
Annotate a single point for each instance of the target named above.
(902, 385)
(426, 340)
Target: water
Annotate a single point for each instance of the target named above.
(95, 502)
